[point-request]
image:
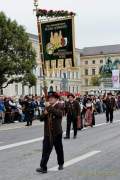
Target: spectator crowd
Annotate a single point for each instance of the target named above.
(28, 108)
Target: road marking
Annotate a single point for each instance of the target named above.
(76, 160)
(9, 146)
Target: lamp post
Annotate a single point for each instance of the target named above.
(41, 47)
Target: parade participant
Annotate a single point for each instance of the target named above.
(110, 105)
(89, 113)
(27, 110)
(52, 117)
(2, 110)
(72, 109)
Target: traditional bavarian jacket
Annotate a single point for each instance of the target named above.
(53, 120)
(72, 109)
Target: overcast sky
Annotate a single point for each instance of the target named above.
(97, 21)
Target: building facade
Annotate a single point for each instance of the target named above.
(58, 78)
(91, 59)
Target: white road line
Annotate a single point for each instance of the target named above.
(9, 146)
(76, 160)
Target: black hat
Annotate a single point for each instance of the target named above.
(109, 94)
(53, 94)
(70, 94)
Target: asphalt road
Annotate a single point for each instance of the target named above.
(94, 155)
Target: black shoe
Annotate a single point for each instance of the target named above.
(41, 170)
(27, 125)
(66, 137)
(74, 137)
(60, 167)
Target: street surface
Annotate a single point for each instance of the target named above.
(94, 155)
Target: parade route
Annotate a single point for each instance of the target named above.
(93, 155)
(9, 146)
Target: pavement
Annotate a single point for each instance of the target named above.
(94, 155)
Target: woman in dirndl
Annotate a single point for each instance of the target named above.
(89, 114)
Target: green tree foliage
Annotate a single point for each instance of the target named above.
(17, 57)
(95, 81)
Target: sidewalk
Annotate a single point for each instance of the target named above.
(18, 125)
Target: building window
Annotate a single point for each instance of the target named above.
(86, 82)
(93, 61)
(77, 89)
(60, 73)
(68, 74)
(55, 75)
(23, 90)
(73, 89)
(93, 72)
(41, 89)
(72, 75)
(69, 88)
(40, 72)
(86, 62)
(16, 89)
(86, 72)
(56, 88)
(101, 61)
(77, 75)
(50, 74)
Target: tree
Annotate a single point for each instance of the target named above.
(17, 57)
(95, 81)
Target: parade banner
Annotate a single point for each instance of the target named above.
(58, 39)
(116, 78)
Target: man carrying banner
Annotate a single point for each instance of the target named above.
(72, 109)
(52, 117)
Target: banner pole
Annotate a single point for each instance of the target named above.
(41, 49)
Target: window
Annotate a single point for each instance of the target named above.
(16, 89)
(77, 89)
(77, 75)
(23, 90)
(93, 71)
(86, 72)
(86, 62)
(56, 75)
(72, 75)
(73, 89)
(50, 74)
(69, 88)
(60, 73)
(101, 61)
(93, 61)
(68, 74)
(56, 88)
(86, 82)
(41, 72)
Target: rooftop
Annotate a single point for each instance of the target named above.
(100, 50)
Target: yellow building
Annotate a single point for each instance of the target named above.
(91, 59)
